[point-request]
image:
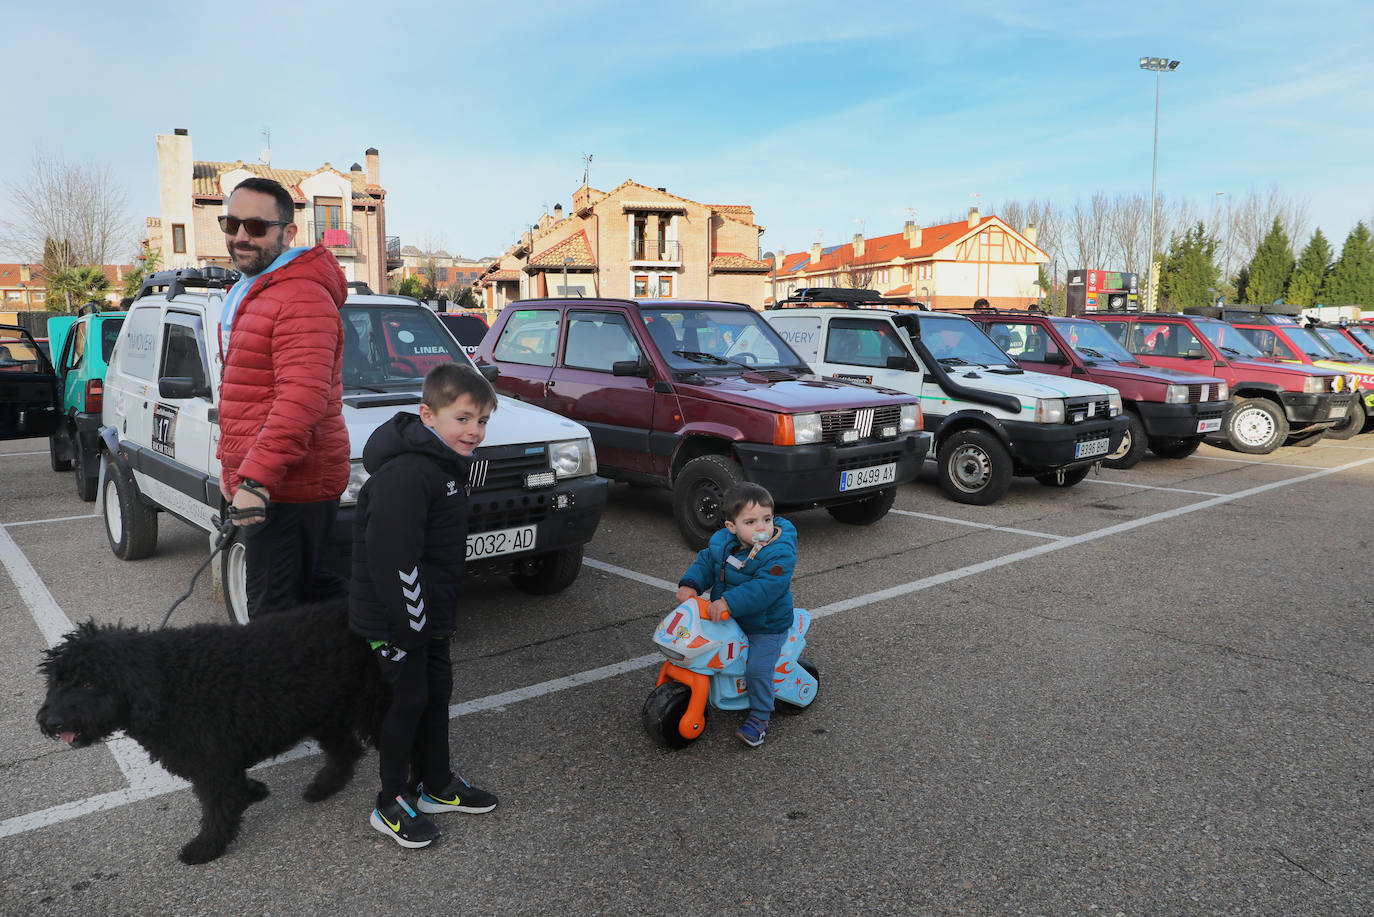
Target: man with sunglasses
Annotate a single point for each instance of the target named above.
(283, 446)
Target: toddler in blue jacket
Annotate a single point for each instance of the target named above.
(747, 570)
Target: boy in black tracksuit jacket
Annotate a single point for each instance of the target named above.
(409, 544)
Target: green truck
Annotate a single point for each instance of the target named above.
(81, 346)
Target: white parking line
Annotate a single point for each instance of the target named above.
(1176, 490)
(977, 525)
(629, 574)
(11, 525)
(1218, 458)
(7, 454)
(14, 559)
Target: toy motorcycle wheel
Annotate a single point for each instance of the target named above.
(791, 709)
(663, 710)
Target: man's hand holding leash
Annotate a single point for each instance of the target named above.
(250, 503)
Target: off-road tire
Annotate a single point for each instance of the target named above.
(697, 496)
(1255, 426)
(866, 511)
(54, 449)
(233, 569)
(1352, 424)
(1307, 439)
(973, 467)
(1134, 443)
(87, 483)
(130, 524)
(554, 572)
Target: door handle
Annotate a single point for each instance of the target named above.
(549, 384)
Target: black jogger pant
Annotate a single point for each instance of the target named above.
(415, 727)
(286, 558)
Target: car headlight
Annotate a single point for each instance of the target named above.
(911, 418)
(1315, 385)
(1049, 410)
(806, 428)
(1223, 391)
(1176, 394)
(1114, 404)
(572, 457)
(357, 477)
(1352, 383)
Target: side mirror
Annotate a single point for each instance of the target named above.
(638, 367)
(181, 387)
(1056, 359)
(489, 372)
(906, 364)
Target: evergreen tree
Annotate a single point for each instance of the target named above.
(1242, 283)
(1351, 281)
(1313, 265)
(1271, 267)
(1189, 271)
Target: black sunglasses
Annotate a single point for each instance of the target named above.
(256, 228)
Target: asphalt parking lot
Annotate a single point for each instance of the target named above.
(1148, 694)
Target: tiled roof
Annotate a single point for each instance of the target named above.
(903, 290)
(576, 247)
(886, 249)
(205, 178)
(501, 275)
(734, 261)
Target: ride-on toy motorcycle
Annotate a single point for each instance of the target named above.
(706, 663)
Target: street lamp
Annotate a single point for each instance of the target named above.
(1158, 65)
(925, 296)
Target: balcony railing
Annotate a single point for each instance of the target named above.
(393, 247)
(332, 235)
(654, 250)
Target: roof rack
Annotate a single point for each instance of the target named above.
(212, 277)
(839, 298)
(359, 286)
(988, 309)
(1204, 311)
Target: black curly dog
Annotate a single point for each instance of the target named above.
(209, 701)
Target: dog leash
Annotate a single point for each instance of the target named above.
(227, 531)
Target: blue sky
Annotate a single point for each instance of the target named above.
(819, 115)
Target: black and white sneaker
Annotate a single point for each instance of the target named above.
(398, 819)
(458, 796)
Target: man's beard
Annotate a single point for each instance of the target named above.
(256, 260)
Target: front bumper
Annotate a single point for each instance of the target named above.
(1313, 412)
(1179, 421)
(564, 516)
(1039, 447)
(799, 476)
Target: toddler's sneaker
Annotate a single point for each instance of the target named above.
(398, 820)
(458, 796)
(752, 731)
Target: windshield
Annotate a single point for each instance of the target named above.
(394, 346)
(1227, 339)
(1091, 340)
(1338, 343)
(1306, 340)
(956, 341)
(706, 338)
(1364, 337)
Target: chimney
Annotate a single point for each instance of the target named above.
(374, 168)
(24, 276)
(858, 245)
(912, 233)
(973, 217)
(1030, 233)
(815, 253)
(558, 212)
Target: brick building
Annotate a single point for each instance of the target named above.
(633, 241)
(24, 289)
(450, 271)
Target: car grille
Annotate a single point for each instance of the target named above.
(505, 467)
(1216, 409)
(526, 509)
(867, 421)
(1204, 392)
(1076, 409)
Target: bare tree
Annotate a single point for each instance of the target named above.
(1128, 221)
(854, 275)
(1248, 220)
(1089, 234)
(71, 210)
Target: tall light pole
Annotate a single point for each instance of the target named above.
(1158, 65)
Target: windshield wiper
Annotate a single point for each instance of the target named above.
(1089, 352)
(699, 356)
(955, 361)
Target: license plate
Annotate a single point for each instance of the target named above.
(1209, 426)
(502, 541)
(1338, 411)
(871, 476)
(1091, 447)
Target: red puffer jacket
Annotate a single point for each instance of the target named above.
(280, 398)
